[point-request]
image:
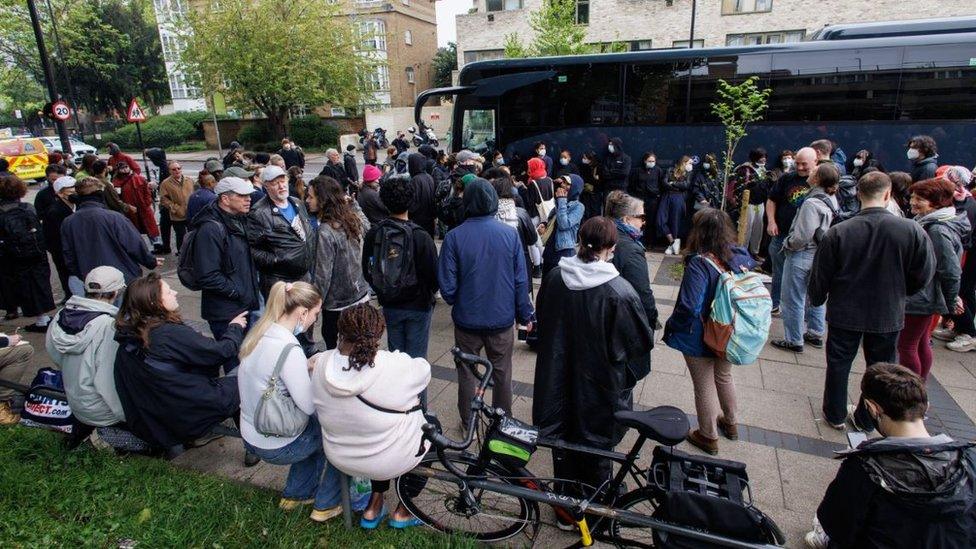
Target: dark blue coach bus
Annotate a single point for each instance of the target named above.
(865, 90)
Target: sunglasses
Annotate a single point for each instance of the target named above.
(642, 217)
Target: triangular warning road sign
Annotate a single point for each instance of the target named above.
(135, 112)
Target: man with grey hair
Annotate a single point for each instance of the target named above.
(335, 168)
(627, 213)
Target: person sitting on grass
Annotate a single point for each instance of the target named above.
(367, 402)
(167, 374)
(905, 489)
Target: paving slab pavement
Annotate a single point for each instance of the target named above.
(783, 442)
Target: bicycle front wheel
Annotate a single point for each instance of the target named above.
(642, 501)
(441, 505)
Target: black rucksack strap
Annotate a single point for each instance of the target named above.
(379, 408)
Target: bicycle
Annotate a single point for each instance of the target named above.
(490, 498)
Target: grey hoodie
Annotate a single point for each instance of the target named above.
(814, 214)
(578, 275)
(81, 341)
(946, 230)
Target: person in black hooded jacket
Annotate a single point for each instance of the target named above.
(423, 212)
(907, 489)
(616, 167)
(580, 381)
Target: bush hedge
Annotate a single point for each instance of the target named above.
(158, 131)
(255, 133)
(312, 131)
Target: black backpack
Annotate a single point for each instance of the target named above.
(392, 267)
(187, 270)
(21, 236)
(835, 217)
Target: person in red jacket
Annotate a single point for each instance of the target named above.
(116, 155)
(135, 191)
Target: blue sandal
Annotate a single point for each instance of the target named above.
(372, 524)
(404, 524)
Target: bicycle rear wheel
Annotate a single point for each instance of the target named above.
(440, 505)
(642, 501)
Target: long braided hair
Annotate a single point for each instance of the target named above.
(362, 326)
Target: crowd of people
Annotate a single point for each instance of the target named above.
(856, 255)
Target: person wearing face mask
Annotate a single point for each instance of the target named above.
(906, 489)
(862, 161)
(272, 354)
(646, 182)
(616, 167)
(592, 197)
(671, 212)
(498, 159)
(584, 295)
(541, 153)
(560, 229)
(706, 186)
(566, 165)
(754, 177)
(923, 154)
(280, 233)
(53, 218)
(784, 164)
(135, 191)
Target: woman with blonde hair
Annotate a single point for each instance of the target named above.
(368, 404)
(272, 360)
(674, 199)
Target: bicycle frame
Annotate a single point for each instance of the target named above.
(571, 503)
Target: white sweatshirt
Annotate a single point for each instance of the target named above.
(360, 440)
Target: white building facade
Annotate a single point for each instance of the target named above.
(185, 97)
(657, 24)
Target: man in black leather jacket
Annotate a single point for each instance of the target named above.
(280, 233)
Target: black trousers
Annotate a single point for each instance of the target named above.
(165, 226)
(330, 328)
(967, 291)
(574, 466)
(58, 259)
(650, 226)
(842, 347)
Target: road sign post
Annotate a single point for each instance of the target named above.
(137, 115)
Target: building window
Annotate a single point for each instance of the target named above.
(482, 55)
(757, 38)
(171, 48)
(699, 43)
(411, 76)
(582, 12)
(373, 34)
(503, 5)
(378, 80)
(641, 45)
(338, 111)
(408, 37)
(179, 89)
(735, 7)
(299, 110)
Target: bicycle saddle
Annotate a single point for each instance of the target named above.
(665, 424)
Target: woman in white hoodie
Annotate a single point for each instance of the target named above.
(291, 309)
(368, 403)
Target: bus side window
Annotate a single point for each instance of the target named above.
(478, 130)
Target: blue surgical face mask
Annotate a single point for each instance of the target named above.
(299, 329)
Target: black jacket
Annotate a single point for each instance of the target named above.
(588, 337)
(909, 493)
(420, 297)
(279, 252)
(373, 208)
(170, 391)
(292, 157)
(616, 168)
(924, 168)
(630, 262)
(423, 212)
(223, 263)
(349, 165)
(559, 170)
(646, 182)
(43, 200)
(158, 157)
(337, 172)
(967, 206)
(52, 220)
(866, 267)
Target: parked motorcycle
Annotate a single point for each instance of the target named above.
(379, 134)
(425, 136)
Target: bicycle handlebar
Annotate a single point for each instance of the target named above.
(462, 359)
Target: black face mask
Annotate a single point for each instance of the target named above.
(74, 198)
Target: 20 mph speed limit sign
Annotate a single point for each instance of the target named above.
(60, 110)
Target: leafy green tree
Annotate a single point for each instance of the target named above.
(445, 63)
(272, 56)
(738, 105)
(556, 32)
(111, 50)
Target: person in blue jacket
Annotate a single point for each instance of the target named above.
(567, 216)
(711, 246)
(481, 273)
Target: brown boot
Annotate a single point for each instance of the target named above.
(728, 430)
(7, 416)
(700, 441)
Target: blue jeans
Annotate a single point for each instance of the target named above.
(777, 257)
(408, 331)
(307, 459)
(796, 311)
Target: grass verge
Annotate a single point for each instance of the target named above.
(90, 498)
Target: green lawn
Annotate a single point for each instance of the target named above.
(50, 497)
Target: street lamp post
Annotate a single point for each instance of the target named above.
(48, 75)
(67, 73)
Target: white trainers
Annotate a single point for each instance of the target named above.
(677, 246)
(944, 334)
(962, 344)
(670, 249)
(816, 540)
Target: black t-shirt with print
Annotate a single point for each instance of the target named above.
(788, 194)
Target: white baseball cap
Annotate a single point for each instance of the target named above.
(272, 172)
(234, 185)
(63, 182)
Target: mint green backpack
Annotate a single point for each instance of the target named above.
(738, 326)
